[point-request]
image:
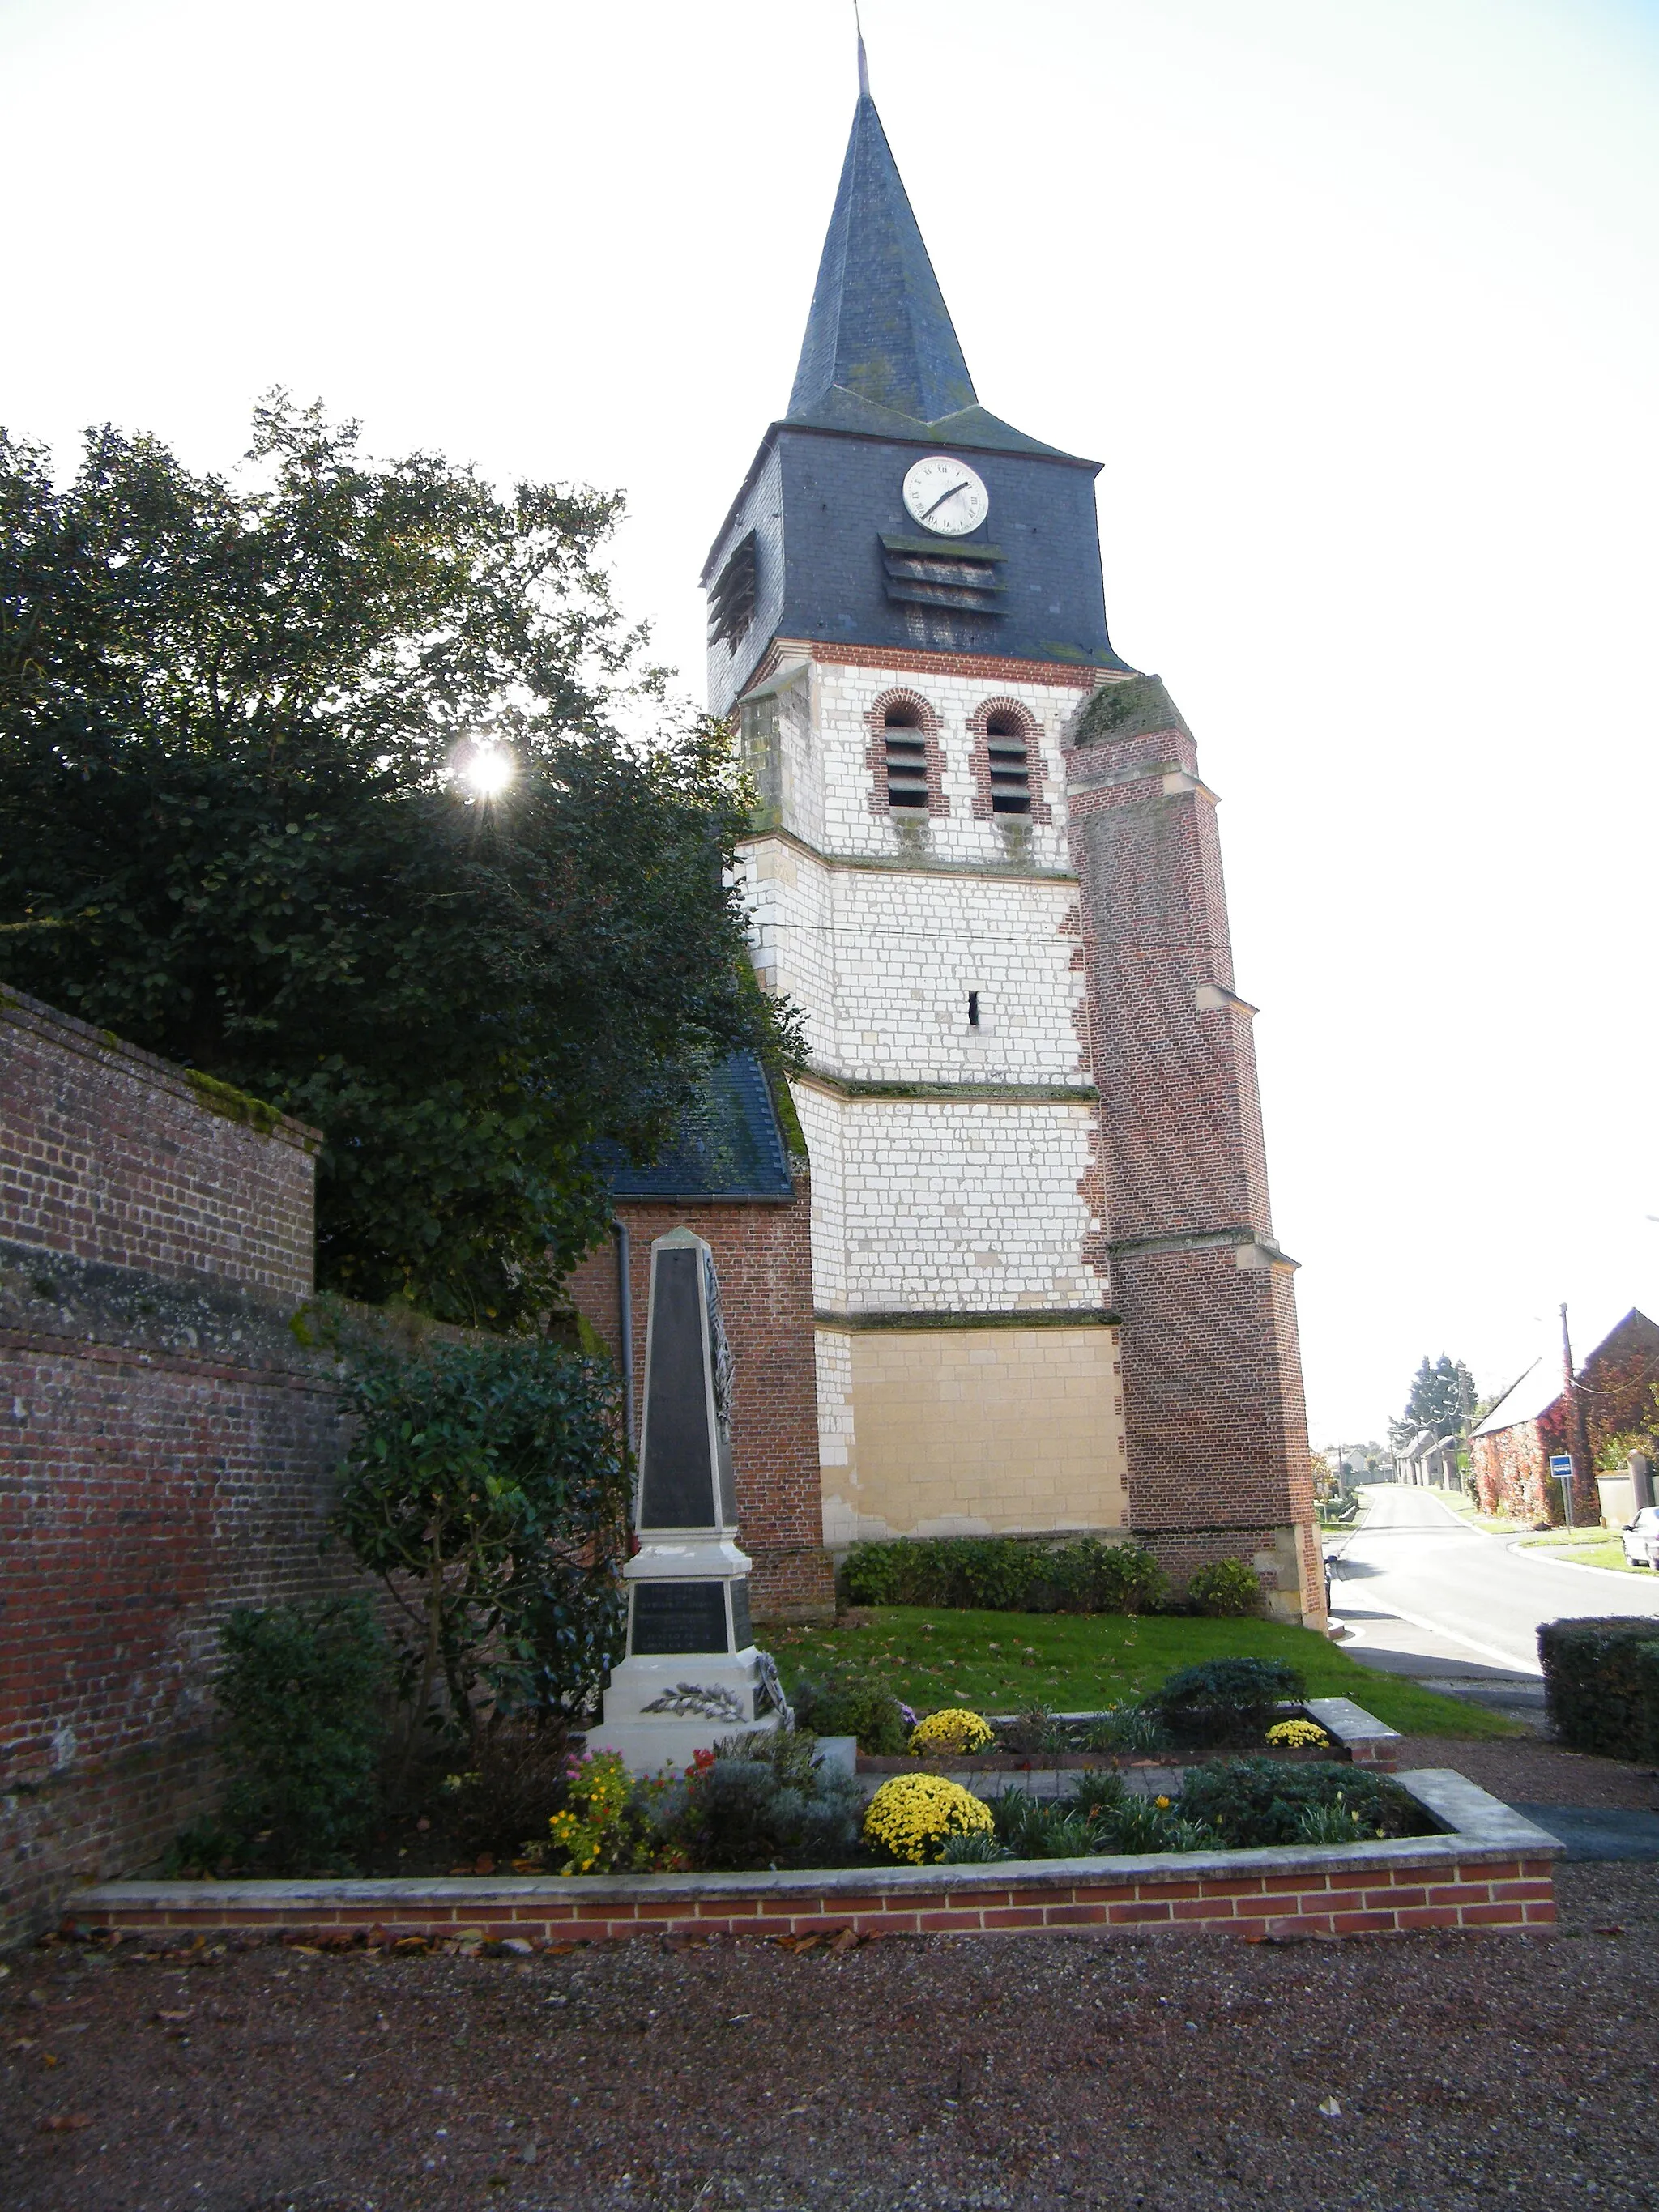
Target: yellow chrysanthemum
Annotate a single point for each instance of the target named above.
(911, 1816)
(1298, 1735)
(953, 1732)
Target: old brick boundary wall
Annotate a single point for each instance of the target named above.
(167, 1446)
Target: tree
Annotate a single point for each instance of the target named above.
(231, 830)
(486, 1484)
(1442, 1401)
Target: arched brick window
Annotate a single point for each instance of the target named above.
(1009, 775)
(906, 767)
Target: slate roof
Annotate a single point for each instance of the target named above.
(881, 354)
(729, 1145)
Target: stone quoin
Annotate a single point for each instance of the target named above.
(1044, 1283)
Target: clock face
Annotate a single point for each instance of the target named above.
(945, 495)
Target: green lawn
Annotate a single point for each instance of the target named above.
(1584, 1550)
(1004, 1663)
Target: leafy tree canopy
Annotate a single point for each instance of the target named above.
(1442, 1401)
(231, 830)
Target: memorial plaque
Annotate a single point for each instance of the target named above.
(674, 1617)
(741, 1633)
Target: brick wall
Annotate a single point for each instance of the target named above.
(1438, 1889)
(1218, 1461)
(108, 1153)
(762, 1255)
(167, 1449)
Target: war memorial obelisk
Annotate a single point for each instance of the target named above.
(691, 1675)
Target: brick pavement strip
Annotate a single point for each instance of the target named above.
(1491, 1869)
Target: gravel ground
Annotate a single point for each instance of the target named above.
(942, 2073)
(1537, 1773)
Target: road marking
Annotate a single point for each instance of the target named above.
(1503, 1659)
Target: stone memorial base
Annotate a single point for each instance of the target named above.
(659, 1711)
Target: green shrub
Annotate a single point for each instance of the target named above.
(303, 1690)
(1224, 1701)
(1036, 1729)
(1131, 1727)
(974, 1849)
(486, 1483)
(1099, 1817)
(1003, 1574)
(836, 1704)
(1226, 1589)
(763, 1801)
(1602, 1685)
(515, 1783)
(1251, 1802)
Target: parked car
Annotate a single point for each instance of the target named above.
(1640, 1538)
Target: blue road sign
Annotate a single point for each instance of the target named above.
(1561, 1466)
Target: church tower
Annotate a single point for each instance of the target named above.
(983, 864)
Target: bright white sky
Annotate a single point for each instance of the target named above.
(1358, 304)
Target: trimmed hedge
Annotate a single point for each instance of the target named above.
(1003, 1574)
(1601, 1684)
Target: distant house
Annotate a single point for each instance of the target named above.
(1510, 1450)
(1427, 1458)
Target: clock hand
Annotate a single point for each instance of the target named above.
(943, 496)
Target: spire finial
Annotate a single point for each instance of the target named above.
(864, 66)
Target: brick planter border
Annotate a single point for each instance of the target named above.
(1491, 1869)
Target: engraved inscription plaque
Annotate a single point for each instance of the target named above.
(742, 1634)
(671, 1617)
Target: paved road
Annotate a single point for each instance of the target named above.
(1427, 1594)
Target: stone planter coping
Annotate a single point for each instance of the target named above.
(1489, 1869)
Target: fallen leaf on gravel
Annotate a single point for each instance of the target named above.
(63, 2124)
(847, 1940)
(1331, 2108)
(410, 1943)
(23, 2043)
(187, 2014)
(1616, 1929)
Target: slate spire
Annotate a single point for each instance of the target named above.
(879, 325)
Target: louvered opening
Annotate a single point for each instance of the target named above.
(732, 602)
(906, 758)
(1011, 770)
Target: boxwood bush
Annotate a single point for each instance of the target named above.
(1006, 1574)
(1225, 1700)
(1601, 1684)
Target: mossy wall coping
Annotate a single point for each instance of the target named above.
(1135, 708)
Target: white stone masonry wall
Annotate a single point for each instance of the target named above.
(947, 1206)
(881, 965)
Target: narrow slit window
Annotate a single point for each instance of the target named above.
(973, 1010)
(1009, 763)
(906, 758)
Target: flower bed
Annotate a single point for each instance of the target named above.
(1353, 1735)
(1488, 1869)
